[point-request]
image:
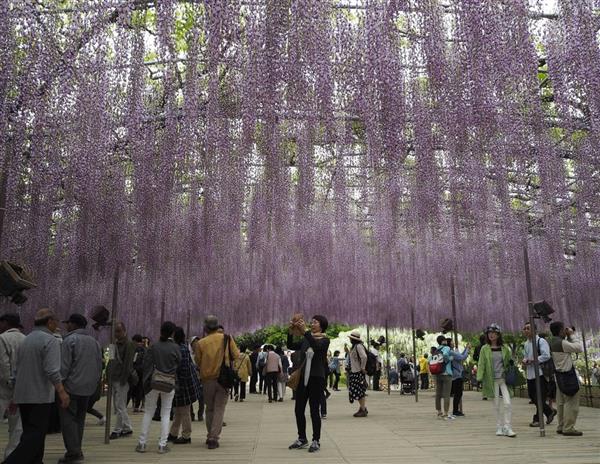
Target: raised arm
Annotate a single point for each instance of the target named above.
(317, 344)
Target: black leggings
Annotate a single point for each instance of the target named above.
(313, 394)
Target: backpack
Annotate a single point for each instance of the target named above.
(510, 376)
(262, 360)
(371, 366)
(548, 366)
(437, 363)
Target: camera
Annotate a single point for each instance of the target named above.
(14, 280)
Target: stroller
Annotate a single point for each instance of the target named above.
(407, 380)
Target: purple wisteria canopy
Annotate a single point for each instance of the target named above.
(257, 158)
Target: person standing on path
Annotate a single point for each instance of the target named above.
(81, 368)
(37, 383)
(187, 391)
(544, 355)
(562, 344)
(254, 375)
(424, 372)
(243, 367)
(211, 352)
(357, 381)
(334, 368)
(443, 381)
(494, 359)
(457, 377)
(163, 358)
(283, 376)
(11, 338)
(311, 388)
(272, 370)
(117, 372)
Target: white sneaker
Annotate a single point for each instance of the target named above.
(102, 421)
(500, 431)
(508, 432)
(450, 417)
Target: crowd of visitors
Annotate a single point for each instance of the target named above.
(165, 378)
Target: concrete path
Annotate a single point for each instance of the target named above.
(396, 430)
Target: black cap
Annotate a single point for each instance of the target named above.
(13, 319)
(78, 320)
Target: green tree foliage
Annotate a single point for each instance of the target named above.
(277, 335)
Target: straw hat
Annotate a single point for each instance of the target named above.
(355, 335)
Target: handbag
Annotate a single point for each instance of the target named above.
(567, 382)
(162, 381)
(294, 379)
(227, 375)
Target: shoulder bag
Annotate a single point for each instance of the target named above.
(227, 375)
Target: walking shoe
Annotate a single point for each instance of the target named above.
(324, 416)
(102, 421)
(236, 398)
(440, 415)
(280, 400)
(241, 400)
(299, 444)
(212, 444)
(182, 441)
(314, 447)
(552, 416)
(171, 437)
(360, 413)
(572, 433)
(270, 400)
(559, 431)
(77, 459)
(126, 433)
(114, 435)
(458, 414)
(450, 417)
(508, 432)
(140, 448)
(163, 449)
(534, 424)
(499, 432)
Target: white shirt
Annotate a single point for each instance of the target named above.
(543, 356)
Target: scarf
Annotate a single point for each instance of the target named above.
(310, 353)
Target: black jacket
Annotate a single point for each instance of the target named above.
(320, 346)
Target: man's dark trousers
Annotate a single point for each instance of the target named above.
(72, 421)
(35, 419)
(532, 396)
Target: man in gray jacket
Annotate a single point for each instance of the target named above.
(37, 382)
(562, 344)
(81, 367)
(10, 340)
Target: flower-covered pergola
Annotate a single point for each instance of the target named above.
(255, 158)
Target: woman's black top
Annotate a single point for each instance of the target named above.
(320, 346)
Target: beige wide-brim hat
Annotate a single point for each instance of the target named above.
(355, 335)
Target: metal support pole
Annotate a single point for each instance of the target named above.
(115, 299)
(387, 357)
(588, 382)
(414, 343)
(454, 323)
(536, 364)
(454, 330)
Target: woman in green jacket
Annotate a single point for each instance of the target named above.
(493, 362)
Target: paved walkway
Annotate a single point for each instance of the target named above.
(397, 430)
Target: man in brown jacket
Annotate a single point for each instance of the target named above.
(209, 357)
